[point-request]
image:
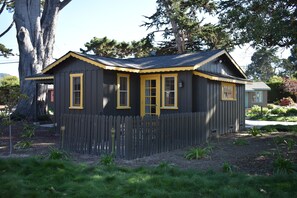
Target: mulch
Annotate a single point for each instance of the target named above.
(256, 157)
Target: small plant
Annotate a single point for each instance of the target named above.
(107, 160)
(56, 154)
(227, 168)
(291, 112)
(290, 143)
(270, 106)
(279, 111)
(240, 142)
(255, 131)
(256, 109)
(28, 131)
(23, 145)
(196, 153)
(283, 166)
(286, 101)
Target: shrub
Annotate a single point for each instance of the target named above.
(255, 131)
(227, 168)
(56, 154)
(28, 131)
(270, 106)
(196, 153)
(256, 109)
(291, 112)
(279, 111)
(286, 101)
(283, 166)
(107, 160)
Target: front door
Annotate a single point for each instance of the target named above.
(150, 95)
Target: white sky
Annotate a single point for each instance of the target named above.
(80, 21)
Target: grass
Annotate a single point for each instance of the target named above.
(280, 128)
(56, 178)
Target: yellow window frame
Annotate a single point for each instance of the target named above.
(72, 76)
(164, 76)
(119, 76)
(225, 84)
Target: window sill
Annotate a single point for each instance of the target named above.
(123, 108)
(228, 99)
(169, 108)
(79, 108)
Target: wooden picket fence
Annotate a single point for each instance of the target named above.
(132, 137)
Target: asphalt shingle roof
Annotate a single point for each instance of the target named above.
(256, 86)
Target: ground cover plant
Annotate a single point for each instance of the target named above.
(272, 113)
(56, 178)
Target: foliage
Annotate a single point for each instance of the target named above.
(264, 64)
(227, 167)
(23, 144)
(256, 109)
(279, 111)
(240, 142)
(286, 101)
(53, 178)
(5, 51)
(112, 48)
(270, 106)
(196, 153)
(283, 166)
(255, 131)
(28, 131)
(291, 112)
(184, 31)
(56, 154)
(277, 91)
(107, 160)
(260, 22)
(290, 85)
(281, 128)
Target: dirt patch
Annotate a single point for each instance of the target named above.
(244, 153)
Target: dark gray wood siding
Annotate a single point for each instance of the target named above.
(221, 65)
(92, 88)
(110, 94)
(225, 116)
(184, 94)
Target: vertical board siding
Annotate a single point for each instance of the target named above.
(134, 136)
(225, 116)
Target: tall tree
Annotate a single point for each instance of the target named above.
(35, 22)
(260, 22)
(264, 64)
(112, 48)
(181, 22)
(5, 4)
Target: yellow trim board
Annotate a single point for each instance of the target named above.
(40, 78)
(175, 76)
(80, 75)
(221, 79)
(119, 75)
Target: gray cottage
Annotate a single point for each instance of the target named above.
(256, 93)
(209, 81)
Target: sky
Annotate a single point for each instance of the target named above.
(80, 21)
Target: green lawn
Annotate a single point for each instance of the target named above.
(44, 178)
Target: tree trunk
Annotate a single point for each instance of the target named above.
(178, 35)
(36, 38)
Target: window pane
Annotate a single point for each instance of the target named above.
(169, 99)
(76, 98)
(153, 109)
(123, 83)
(153, 83)
(76, 83)
(123, 99)
(169, 83)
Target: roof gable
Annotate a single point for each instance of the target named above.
(179, 62)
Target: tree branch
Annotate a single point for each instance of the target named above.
(3, 33)
(64, 3)
(3, 6)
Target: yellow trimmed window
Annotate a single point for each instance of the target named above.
(169, 91)
(228, 91)
(76, 91)
(123, 94)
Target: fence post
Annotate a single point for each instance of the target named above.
(112, 140)
(62, 134)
